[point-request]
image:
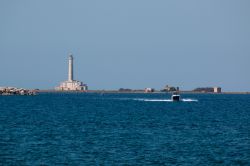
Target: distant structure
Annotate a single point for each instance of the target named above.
(149, 90)
(125, 90)
(208, 90)
(217, 89)
(168, 88)
(71, 84)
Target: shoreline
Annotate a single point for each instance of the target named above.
(136, 91)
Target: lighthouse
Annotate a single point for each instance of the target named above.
(70, 72)
(71, 84)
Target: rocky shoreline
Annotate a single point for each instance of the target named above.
(7, 91)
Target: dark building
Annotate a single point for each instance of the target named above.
(208, 90)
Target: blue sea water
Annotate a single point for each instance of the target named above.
(124, 129)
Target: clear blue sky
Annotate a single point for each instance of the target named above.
(129, 44)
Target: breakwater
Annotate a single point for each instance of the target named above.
(16, 91)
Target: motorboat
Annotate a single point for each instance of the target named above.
(175, 97)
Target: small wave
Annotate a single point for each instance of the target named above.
(189, 100)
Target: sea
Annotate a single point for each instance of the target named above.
(124, 129)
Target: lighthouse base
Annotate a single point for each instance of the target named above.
(72, 86)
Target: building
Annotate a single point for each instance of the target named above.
(148, 90)
(204, 89)
(168, 88)
(217, 89)
(208, 90)
(71, 84)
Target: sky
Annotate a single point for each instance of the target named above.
(126, 44)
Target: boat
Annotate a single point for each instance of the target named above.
(175, 97)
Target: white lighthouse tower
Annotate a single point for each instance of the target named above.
(70, 74)
(71, 84)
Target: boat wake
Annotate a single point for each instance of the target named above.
(166, 100)
(189, 100)
(154, 100)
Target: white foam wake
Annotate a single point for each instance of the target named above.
(155, 100)
(166, 100)
(189, 100)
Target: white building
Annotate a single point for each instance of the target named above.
(71, 84)
(147, 90)
(217, 89)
